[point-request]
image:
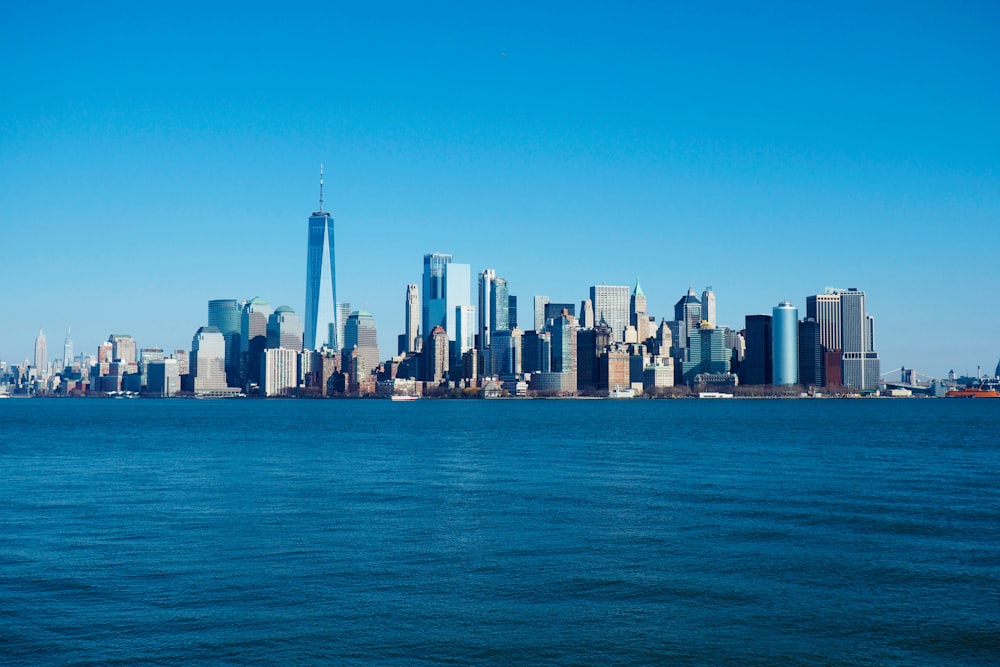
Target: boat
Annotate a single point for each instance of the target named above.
(713, 394)
(403, 397)
(987, 389)
(621, 392)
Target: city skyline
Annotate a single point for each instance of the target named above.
(766, 152)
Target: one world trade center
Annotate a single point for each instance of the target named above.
(321, 280)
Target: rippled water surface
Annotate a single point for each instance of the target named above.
(500, 532)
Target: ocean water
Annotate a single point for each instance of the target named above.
(546, 532)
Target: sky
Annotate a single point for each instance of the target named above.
(154, 156)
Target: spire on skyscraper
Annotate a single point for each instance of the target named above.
(321, 187)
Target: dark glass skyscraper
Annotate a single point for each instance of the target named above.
(321, 323)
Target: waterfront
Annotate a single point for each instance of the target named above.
(538, 532)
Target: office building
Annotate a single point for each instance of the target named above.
(824, 309)
(280, 372)
(208, 361)
(487, 311)
(540, 302)
(707, 354)
(757, 366)
(465, 335)
(148, 355)
(253, 339)
(163, 378)
(860, 363)
(687, 313)
(41, 356)
(505, 352)
(536, 352)
(432, 295)
(122, 348)
(68, 350)
(611, 306)
(563, 331)
(224, 315)
(511, 311)
(360, 333)
(321, 318)
(810, 354)
(638, 313)
(785, 344)
(284, 330)
(435, 356)
(412, 325)
(708, 306)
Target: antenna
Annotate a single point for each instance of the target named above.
(321, 187)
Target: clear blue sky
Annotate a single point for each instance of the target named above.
(154, 156)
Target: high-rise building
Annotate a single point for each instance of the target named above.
(284, 330)
(708, 306)
(435, 355)
(465, 334)
(810, 354)
(321, 321)
(500, 305)
(511, 311)
(536, 352)
(505, 352)
(432, 296)
(707, 354)
(122, 348)
(41, 356)
(757, 366)
(639, 315)
(540, 302)
(563, 332)
(587, 314)
(360, 333)
(208, 360)
(163, 378)
(486, 309)
(68, 350)
(458, 292)
(785, 344)
(412, 333)
(824, 309)
(224, 315)
(860, 361)
(148, 355)
(687, 312)
(611, 306)
(253, 338)
(280, 372)
(554, 310)
(343, 312)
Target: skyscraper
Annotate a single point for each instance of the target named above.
(412, 341)
(757, 366)
(253, 338)
(457, 292)
(611, 305)
(360, 333)
(208, 360)
(321, 321)
(860, 362)
(224, 315)
(432, 296)
(810, 354)
(785, 344)
(500, 305)
(486, 310)
(41, 355)
(284, 330)
(825, 310)
(122, 348)
(68, 350)
(540, 302)
(708, 306)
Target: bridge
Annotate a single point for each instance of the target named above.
(912, 380)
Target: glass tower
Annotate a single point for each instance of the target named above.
(785, 343)
(322, 323)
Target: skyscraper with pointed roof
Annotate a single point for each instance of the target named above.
(321, 317)
(41, 355)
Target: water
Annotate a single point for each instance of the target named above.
(500, 532)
